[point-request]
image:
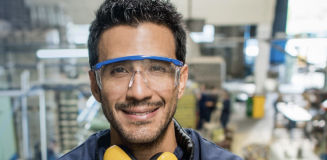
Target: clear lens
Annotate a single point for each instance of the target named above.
(156, 74)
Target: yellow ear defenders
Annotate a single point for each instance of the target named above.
(121, 153)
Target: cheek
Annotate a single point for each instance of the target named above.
(113, 94)
(108, 99)
(171, 97)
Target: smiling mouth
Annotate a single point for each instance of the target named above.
(139, 113)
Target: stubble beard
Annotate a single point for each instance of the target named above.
(133, 139)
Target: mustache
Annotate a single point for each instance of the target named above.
(126, 105)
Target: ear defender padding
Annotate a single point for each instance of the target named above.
(122, 153)
(117, 153)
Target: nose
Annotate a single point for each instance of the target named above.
(138, 88)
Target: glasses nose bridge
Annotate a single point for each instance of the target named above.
(134, 73)
(137, 67)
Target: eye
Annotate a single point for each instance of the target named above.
(118, 70)
(159, 68)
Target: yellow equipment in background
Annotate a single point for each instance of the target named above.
(186, 110)
(258, 106)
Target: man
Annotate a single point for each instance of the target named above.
(225, 113)
(137, 55)
(206, 104)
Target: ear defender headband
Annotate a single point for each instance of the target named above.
(122, 153)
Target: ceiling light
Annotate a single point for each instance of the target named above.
(62, 53)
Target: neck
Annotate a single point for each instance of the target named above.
(165, 143)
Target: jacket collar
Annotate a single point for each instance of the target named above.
(184, 141)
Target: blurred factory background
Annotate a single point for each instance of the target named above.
(262, 63)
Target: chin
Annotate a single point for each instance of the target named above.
(143, 134)
(141, 139)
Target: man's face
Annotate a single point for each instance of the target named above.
(150, 107)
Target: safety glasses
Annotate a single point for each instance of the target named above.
(156, 72)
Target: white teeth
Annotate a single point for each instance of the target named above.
(140, 114)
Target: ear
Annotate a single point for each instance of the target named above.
(94, 86)
(182, 80)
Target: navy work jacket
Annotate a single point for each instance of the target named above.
(191, 146)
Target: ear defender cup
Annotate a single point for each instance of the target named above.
(118, 153)
(164, 156)
(122, 153)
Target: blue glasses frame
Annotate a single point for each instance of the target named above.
(137, 57)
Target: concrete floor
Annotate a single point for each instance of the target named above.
(249, 131)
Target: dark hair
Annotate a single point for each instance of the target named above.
(133, 12)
